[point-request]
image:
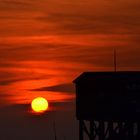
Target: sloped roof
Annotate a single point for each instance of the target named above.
(90, 76)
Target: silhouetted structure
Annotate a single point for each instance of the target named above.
(110, 102)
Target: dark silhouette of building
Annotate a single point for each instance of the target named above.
(110, 102)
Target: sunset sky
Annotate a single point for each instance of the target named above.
(45, 45)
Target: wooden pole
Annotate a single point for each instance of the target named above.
(54, 129)
(115, 63)
(81, 130)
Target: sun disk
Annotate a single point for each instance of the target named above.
(39, 104)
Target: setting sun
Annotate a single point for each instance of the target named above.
(39, 104)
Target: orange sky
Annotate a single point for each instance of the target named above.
(49, 42)
(46, 44)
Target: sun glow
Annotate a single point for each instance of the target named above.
(39, 105)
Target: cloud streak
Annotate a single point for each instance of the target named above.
(14, 5)
(78, 17)
(94, 24)
(67, 88)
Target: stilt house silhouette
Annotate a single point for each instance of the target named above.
(110, 102)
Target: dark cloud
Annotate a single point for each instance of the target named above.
(10, 18)
(73, 53)
(14, 5)
(93, 24)
(79, 17)
(67, 88)
(14, 2)
(26, 78)
(3, 95)
(8, 82)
